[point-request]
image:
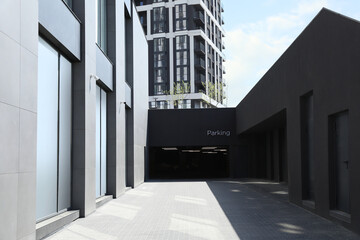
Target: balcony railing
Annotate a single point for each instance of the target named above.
(200, 78)
(200, 48)
(199, 17)
(200, 63)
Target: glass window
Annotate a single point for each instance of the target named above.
(160, 63)
(180, 11)
(159, 105)
(162, 105)
(159, 89)
(181, 42)
(183, 104)
(180, 17)
(159, 14)
(53, 170)
(101, 25)
(180, 25)
(152, 105)
(181, 58)
(182, 74)
(159, 75)
(159, 44)
(159, 60)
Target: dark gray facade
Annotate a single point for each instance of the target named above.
(313, 89)
(298, 125)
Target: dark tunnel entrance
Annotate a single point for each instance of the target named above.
(188, 162)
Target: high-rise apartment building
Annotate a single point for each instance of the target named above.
(185, 52)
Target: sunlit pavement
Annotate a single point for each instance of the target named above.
(203, 210)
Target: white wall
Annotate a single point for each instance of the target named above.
(140, 98)
(18, 117)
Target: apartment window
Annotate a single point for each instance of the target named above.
(159, 60)
(159, 105)
(159, 89)
(160, 76)
(182, 74)
(101, 24)
(53, 170)
(182, 61)
(159, 20)
(159, 44)
(181, 42)
(159, 14)
(180, 25)
(180, 17)
(183, 104)
(181, 58)
(160, 66)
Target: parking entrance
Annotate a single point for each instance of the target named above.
(188, 162)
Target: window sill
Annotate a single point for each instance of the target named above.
(51, 225)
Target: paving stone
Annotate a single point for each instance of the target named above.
(195, 210)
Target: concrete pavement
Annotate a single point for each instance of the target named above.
(212, 210)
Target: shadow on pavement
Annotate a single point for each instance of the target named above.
(259, 209)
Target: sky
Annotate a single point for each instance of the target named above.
(259, 31)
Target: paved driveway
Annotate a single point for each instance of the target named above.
(216, 210)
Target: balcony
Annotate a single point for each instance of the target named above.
(200, 63)
(200, 78)
(222, 7)
(224, 70)
(199, 17)
(200, 48)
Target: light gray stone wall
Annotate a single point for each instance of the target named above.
(140, 98)
(18, 107)
(116, 123)
(19, 33)
(84, 113)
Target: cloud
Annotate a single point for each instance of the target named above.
(252, 48)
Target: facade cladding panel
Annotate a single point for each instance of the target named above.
(322, 64)
(49, 113)
(200, 22)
